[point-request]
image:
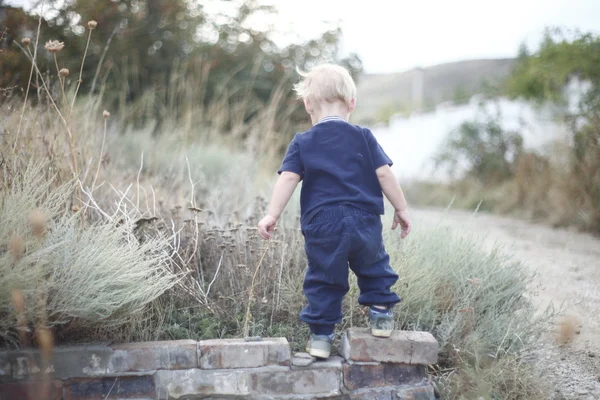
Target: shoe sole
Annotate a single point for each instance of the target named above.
(381, 333)
(318, 353)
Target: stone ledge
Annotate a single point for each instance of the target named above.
(237, 353)
(374, 369)
(256, 382)
(201, 383)
(110, 388)
(422, 392)
(67, 362)
(382, 375)
(150, 356)
(323, 382)
(49, 390)
(334, 362)
(403, 347)
(98, 361)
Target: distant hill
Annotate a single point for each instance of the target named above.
(380, 95)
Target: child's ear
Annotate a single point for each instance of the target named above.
(308, 106)
(352, 106)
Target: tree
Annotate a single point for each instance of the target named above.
(154, 46)
(565, 58)
(15, 25)
(489, 150)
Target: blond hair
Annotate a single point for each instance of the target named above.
(326, 82)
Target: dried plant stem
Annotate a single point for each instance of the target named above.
(106, 47)
(100, 157)
(33, 57)
(248, 316)
(67, 128)
(215, 277)
(138, 180)
(60, 80)
(79, 81)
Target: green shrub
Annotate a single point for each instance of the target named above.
(488, 150)
(475, 302)
(88, 277)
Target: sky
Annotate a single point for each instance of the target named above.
(397, 35)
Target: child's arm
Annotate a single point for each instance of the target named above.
(392, 190)
(284, 188)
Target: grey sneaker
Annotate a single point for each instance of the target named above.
(319, 346)
(382, 324)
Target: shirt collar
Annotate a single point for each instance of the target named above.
(332, 118)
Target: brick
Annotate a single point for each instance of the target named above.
(365, 394)
(189, 383)
(302, 360)
(237, 353)
(403, 347)
(325, 382)
(424, 392)
(357, 376)
(95, 361)
(384, 394)
(130, 387)
(48, 390)
(150, 356)
(333, 362)
(65, 363)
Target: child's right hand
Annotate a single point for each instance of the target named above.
(401, 218)
(266, 226)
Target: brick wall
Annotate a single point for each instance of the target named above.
(369, 369)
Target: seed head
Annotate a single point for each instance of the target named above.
(92, 24)
(63, 73)
(54, 46)
(16, 247)
(106, 114)
(37, 220)
(26, 41)
(18, 300)
(474, 281)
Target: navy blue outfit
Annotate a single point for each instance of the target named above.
(341, 204)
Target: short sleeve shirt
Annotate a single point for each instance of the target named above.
(337, 163)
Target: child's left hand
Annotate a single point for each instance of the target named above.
(266, 226)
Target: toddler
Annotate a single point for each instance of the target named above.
(344, 174)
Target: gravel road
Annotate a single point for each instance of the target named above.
(567, 266)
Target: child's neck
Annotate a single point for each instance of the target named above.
(330, 110)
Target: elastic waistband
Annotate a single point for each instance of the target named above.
(338, 212)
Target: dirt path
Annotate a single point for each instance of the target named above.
(567, 266)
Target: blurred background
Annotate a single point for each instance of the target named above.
(442, 85)
(139, 141)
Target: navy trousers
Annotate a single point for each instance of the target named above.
(338, 239)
